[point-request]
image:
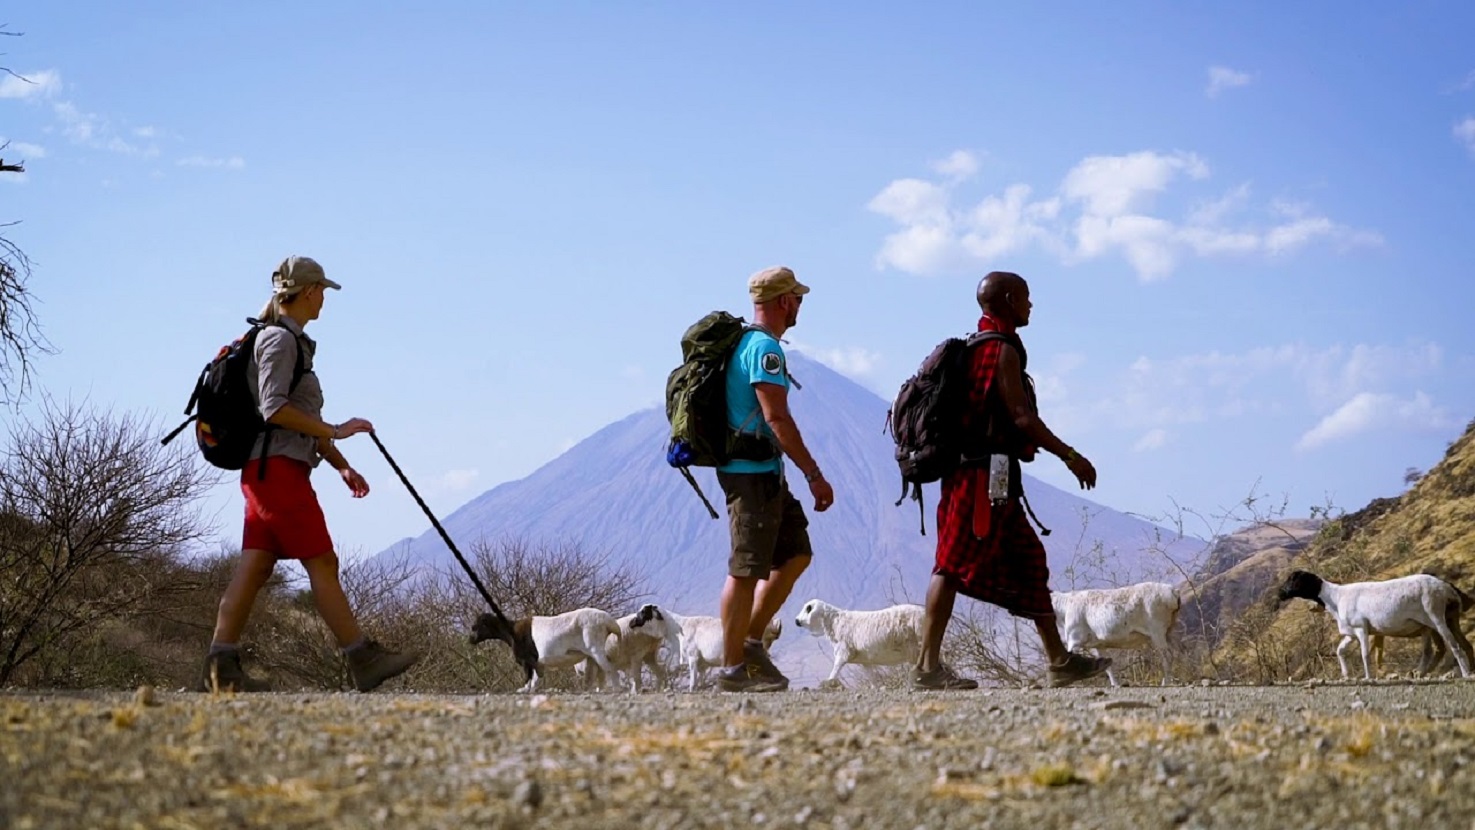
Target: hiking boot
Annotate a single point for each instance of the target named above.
(1077, 667)
(223, 673)
(371, 664)
(941, 679)
(756, 656)
(748, 678)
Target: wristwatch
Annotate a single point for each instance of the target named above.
(813, 475)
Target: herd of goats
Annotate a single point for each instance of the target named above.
(601, 647)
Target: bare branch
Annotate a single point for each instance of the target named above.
(86, 500)
(21, 339)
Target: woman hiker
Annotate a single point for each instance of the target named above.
(283, 517)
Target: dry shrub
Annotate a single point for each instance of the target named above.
(92, 513)
(409, 607)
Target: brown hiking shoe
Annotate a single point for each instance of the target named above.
(943, 679)
(748, 678)
(1077, 667)
(371, 664)
(223, 673)
(759, 664)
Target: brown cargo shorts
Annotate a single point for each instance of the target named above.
(767, 523)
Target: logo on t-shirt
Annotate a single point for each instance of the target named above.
(772, 363)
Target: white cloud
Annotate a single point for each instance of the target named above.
(960, 165)
(1147, 243)
(32, 151)
(1465, 132)
(41, 84)
(1222, 78)
(1117, 185)
(76, 125)
(1153, 439)
(454, 481)
(1215, 386)
(1003, 224)
(232, 163)
(913, 202)
(22, 149)
(1368, 412)
(855, 362)
(1105, 206)
(1296, 234)
(1051, 383)
(937, 239)
(1467, 84)
(1215, 211)
(92, 130)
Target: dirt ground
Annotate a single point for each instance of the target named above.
(1394, 754)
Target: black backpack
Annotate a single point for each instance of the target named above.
(225, 414)
(926, 419)
(696, 397)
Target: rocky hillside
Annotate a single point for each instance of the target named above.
(1237, 572)
(1430, 527)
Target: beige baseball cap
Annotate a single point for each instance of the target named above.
(772, 283)
(298, 272)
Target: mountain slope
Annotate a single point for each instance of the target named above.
(614, 492)
(1432, 526)
(1239, 569)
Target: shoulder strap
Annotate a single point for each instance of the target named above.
(299, 366)
(979, 337)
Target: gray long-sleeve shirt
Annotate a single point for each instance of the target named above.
(270, 376)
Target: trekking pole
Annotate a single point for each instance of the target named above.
(446, 536)
(697, 487)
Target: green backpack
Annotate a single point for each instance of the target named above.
(696, 397)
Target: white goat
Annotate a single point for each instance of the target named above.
(561, 640)
(637, 645)
(700, 644)
(1433, 657)
(1136, 617)
(1404, 607)
(888, 637)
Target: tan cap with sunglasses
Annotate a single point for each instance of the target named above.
(772, 283)
(298, 272)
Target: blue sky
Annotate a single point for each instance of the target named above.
(1245, 228)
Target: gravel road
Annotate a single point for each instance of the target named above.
(1327, 755)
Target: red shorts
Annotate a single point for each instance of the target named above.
(282, 511)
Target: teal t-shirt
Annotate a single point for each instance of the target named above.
(758, 358)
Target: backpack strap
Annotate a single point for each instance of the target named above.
(976, 338)
(299, 368)
(758, 410)
(1013, 340)
(979, 337)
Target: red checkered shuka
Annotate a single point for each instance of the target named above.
(1006, 566)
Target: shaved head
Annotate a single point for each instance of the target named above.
(995, 285)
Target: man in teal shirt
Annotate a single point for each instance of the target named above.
(770, 536)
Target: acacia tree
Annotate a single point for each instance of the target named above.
(21, 339)
(88, 502)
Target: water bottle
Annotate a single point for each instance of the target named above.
(998, 478)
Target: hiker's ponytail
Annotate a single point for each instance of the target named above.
(269, 312)
(272, 311)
